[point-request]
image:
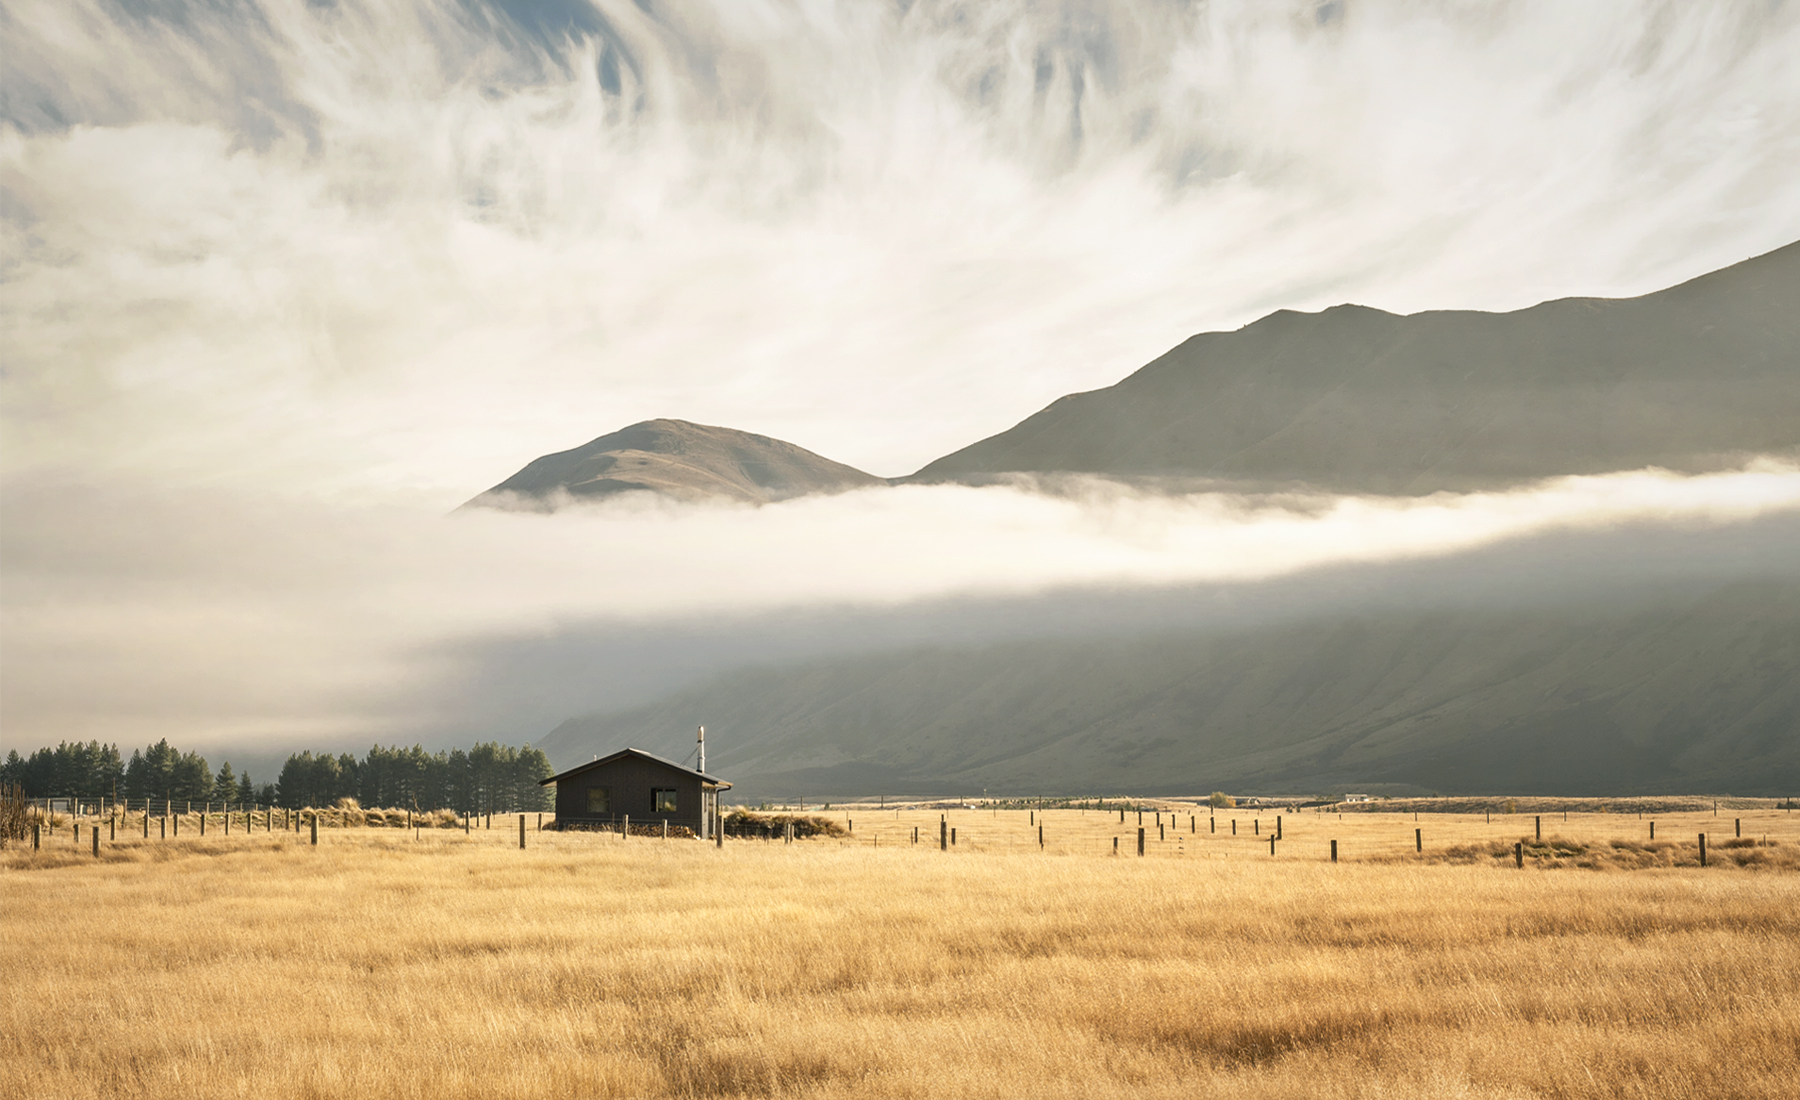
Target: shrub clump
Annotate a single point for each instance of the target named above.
(769, 826)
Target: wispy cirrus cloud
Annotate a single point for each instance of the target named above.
(378, 246)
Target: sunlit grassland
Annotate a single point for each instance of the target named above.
(438, 964)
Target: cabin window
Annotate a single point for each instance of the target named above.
(599, 800)
(662, 800)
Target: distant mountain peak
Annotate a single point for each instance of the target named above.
(675, 458)
(1701, 376)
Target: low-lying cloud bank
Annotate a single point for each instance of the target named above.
(221, 618)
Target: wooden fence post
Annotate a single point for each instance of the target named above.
(952, 836)
(625, 828)
(1702, 849)
(37, 835)
(1334, 851)
(1519, 854)
(1737, 826)
(1539, 826)
(112, 828)
(1234, 826)
(162, 824)
(1140, 837)
(1277, 826)
(95, 831)
(1040, 838)
(1418, 840)
(522, 831)
(203, 817)
(943, 833)
(1653, 830)
(1159, 832)
(1271, 843)
(315, 828)
(1212, 824)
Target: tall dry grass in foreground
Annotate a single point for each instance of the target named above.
(589, 966)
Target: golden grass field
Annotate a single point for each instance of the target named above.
(384, 963)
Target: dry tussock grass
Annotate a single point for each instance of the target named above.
(1628, 855)
(1625, 806)
(588, 965)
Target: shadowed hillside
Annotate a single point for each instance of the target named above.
(1648, 694)
(678, 459)
(1354, 399)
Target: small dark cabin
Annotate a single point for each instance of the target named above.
(639, 785)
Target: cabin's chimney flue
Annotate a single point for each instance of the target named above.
(701, 766)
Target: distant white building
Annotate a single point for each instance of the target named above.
(1357, 798)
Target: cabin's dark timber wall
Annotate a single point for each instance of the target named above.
(632, 779)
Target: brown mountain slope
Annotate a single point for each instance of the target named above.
(675, 458)
(1692, 378)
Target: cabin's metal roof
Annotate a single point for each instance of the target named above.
(642, 755)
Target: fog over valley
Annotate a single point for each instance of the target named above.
(923, 397)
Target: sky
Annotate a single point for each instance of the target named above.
(284, 283)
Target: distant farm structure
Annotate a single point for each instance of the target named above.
(633, 788)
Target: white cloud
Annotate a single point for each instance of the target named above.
(382, 247)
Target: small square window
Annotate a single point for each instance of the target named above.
(662, 799)
(599, 800)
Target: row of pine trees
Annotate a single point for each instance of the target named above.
(489, 778)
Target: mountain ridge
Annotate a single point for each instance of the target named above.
(676, 458)
(1695, 377)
